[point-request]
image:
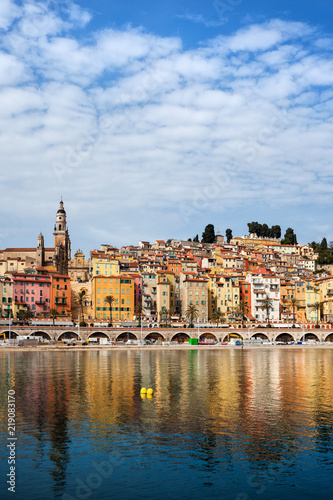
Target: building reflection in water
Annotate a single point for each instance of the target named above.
(215, 407)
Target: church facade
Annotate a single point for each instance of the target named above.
(22, 259)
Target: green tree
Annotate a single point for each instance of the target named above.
(317, 307)
(208, 236)
(165, 315)
(24, 314)
(294, 305)
(191, 314)
(265, 231)
(252, 227)
(275, 232)
(218, 317)
(196, 238)
(323, 244)
(53, 313)
(267, 305)
(242, 310)
(109, 300)
(289, 237)
(79, 299)
(228, 235)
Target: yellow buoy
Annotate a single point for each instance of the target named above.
(143, 395)
(149, 396)
(143, 390)
(150, 392)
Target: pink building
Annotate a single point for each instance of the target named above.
(137, 289)
(33, 291)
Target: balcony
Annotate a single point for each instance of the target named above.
(60, 302)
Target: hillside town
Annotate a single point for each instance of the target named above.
(232, 280)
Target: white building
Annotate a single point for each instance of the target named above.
(263, 287)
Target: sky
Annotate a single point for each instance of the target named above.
(152, 119)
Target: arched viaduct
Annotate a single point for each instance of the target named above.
(171, 334)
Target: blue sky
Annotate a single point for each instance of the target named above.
(152, 119)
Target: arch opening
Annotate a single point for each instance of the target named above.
(232, 336)
(155, 337)
(13, 335)
(68, 336)
(180, 338)
(208, 338)
(125, 336)
(285, 338)
(39, 333)
(98, 337)
(310, 336)
(259, 336)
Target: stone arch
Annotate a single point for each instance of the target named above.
(207, 336)
(180, 337)
(68, 335)
(13, 334)
(232, 335)
(98, 335)
(124, 336)
(310, 336)
(284, 337)
(156, 336)
(329, 338)
(40, 333)
(259, 335)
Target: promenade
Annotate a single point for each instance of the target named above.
(178, 335)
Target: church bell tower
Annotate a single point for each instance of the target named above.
(62, 242)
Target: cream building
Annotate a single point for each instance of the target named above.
(194, 291)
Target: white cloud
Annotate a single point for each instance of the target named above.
(8, 12)
(123, 121)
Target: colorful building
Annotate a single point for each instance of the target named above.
(119, 287)
(60, 297)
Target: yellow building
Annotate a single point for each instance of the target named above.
(223, 295)
(119, 287)
(326, 298)
(293, 290)
(165, 292)
(104, 265)
(312, 296)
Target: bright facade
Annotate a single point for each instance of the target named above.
(119, 287)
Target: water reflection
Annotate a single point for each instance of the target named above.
(219, 414)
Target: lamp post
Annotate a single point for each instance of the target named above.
(141, 341)
(78, 329)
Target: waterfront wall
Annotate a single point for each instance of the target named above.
(169, 334)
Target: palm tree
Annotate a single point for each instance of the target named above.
(53, 314)
(164, 313)
(242, 310)
(218, 317)
(79, 299)
(138, 311)
(191, 314)
(109, 299)
(24, 314)
(294, 304)
(316, 306)
(267, 305)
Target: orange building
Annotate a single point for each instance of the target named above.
(60, 297)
